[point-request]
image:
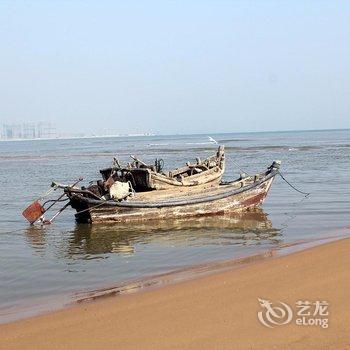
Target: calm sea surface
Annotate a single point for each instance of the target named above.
(41, 264)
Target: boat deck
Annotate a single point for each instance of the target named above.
(188, 191)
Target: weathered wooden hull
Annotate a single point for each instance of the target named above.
(161, 182)
(235, 196)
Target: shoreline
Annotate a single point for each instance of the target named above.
(35, 307)
(197, 271)
(197, 308)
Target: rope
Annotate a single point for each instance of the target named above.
(87, 209)
(306, 194)
(236, 164)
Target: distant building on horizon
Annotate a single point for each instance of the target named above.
(28, 131)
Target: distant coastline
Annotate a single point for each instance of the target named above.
(76, 137)
(72, 137)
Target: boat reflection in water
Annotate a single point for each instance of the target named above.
(100, 259)
(252, 227)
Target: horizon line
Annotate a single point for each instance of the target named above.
(176, 134)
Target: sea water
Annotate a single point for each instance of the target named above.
(39, 265)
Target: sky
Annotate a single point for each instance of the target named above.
(170, 67)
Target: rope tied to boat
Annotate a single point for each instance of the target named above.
(90, 208)
(236, 164)
(306, 194)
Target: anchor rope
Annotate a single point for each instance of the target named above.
(306, 194)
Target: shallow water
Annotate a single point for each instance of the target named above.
(39, 264)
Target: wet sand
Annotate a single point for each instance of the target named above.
(211, 312)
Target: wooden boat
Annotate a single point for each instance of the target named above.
(151, 177)
(176, 202)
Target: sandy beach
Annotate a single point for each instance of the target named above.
(213, 312)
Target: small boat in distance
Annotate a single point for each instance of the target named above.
(145, 177)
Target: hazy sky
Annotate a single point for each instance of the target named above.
(176, 66)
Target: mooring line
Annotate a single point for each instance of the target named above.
(306, 194)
